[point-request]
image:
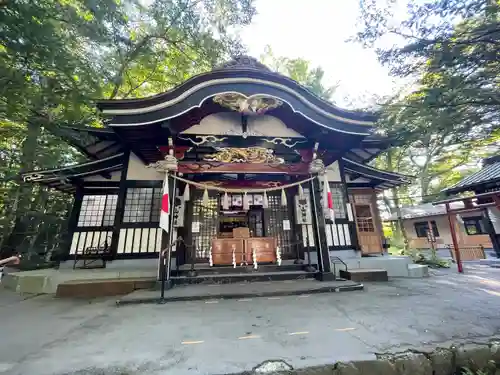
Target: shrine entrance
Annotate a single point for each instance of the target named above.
(216, 232)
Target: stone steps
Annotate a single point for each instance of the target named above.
(364, 274)
(102, 287)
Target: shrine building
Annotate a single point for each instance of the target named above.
(262, 176)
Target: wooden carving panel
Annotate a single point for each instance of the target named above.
(217, 167)
(222, 251)
(265, 248)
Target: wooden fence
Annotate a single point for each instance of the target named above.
(468, 252)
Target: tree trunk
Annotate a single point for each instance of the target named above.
(28, 156)
(399, 216)
(400, 230)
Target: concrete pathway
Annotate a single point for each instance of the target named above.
(44, 336)
(201, 292)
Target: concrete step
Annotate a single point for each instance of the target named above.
(364, 274)
(102, 287)
(225, 270)
(418, 270)
(242, 277)
(251, 290)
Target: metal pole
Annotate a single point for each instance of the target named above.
(171, 229)
(309, 267)
(162, 275)
(165, 274)
(454, 239)
(316, 219)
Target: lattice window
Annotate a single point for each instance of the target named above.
(208, 219)
(142, 205)
(339, 201)
(364, 218)
(276, 214)
(97, 210)
(363, 198)
(474, 225)
(422, 228)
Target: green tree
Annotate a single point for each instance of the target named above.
(57, 56)
(299, 70)
(452, 48)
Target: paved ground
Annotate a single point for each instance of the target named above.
(240, 290)
(43, 336)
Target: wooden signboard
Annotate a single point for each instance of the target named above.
(222, 251)
(265, 248)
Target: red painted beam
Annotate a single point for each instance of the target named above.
(216, 167)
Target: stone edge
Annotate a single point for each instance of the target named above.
(481, 356)
(326, 289)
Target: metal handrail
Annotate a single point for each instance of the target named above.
(335, 260)
(164, 264)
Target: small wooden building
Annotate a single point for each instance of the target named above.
(469, 227)
(479, 193)
(256, 150)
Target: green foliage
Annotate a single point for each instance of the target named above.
(452, 48)
(447, 120)
(57, 56)
(299, 70)
(433, 261)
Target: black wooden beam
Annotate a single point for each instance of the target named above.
(278, 144)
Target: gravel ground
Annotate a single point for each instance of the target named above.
(42, 335)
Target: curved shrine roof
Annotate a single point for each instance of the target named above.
(245, 81)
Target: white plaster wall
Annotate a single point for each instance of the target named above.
(270, 126)
(333, 172)
(137, 170)
(217, 124)
(444, 237)
(230, 124)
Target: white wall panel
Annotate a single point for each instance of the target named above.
(138, 171)
(329, 235)
(144, 245)
(335, 233)
(347, 234)
(74, 243)
(341, 234)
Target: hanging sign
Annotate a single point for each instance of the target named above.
(286, 225)
(195, 228)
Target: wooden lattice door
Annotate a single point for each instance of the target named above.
(369, 236)
(203, 224)
(275, 214)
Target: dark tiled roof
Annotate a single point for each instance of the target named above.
(64, 178)
(379, 178)
(490, 173)
(425, 210)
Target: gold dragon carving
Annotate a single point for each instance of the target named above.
(255, 104)
(251, 155)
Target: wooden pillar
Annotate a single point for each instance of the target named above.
(454, 238)
(73, 221)
(494, 236)
(431, 237)
(325, 272)
(120, 204)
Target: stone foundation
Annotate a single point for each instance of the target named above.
(441, 361)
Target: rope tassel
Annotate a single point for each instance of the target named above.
(301, 192)
(225, 201)
(283, 198)
(186, 193)
(205, 200)
(265, 201)
(246, 205)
